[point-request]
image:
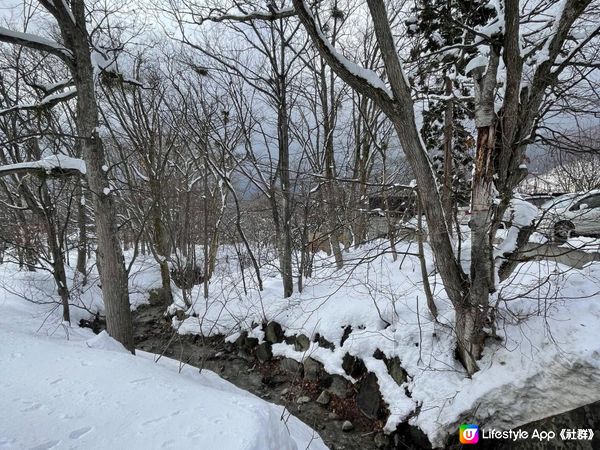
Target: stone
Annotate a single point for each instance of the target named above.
(303, 399)
(347, 426)
(312, 369)
(323, 398)
(420, 440)
(250, 343)
(396, 370)
(285, 391)
(346, 335)
(158, 297)
(302, 343)
(378, 354)
(323, 342)
(381, 440)
(339, 386)
(292, 366)
(241, 338)
(353, 366)
(333, 416)
(264, 352)
(273, 380)
(273, 333)
(369, 399)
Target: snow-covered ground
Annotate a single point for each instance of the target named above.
(63, 387)
(547, 362)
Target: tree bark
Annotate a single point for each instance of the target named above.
(82, 242)
(113, 275)
(285, 235)
(447, 198)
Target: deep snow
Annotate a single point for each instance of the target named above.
(88, 392)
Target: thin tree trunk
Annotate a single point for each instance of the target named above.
(424, 275)
(448, 166)
(285, 235)
(82, 242)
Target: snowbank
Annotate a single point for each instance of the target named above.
(88, 392)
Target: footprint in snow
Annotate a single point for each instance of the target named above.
(46, 445)
(80, 432)
(6, 442)
(32, 406)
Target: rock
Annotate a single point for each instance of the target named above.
(285, 391)
(323, 342)
(312, 369)
(378, 354)
(292, 366)
(241, 338)
(346, 334)
(303, 399)
(302, 343)
(272, 381)
(273, 333)
(250, 343)
(353, 366)
(158, 297)
(333, 416)
(324, 398)
(420, 440)
(264, 352)
(347, 426)
(368, 398)
(381, 440)
(396, 370)
(339, 386)
(290, 340)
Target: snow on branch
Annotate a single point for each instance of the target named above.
(54, 165)
(107, 66)
(37, 43)
(565, 16)
(522, 215)
(272, 14)
(47, 102)
(364, 80)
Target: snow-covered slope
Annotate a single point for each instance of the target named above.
(548, 316)
(88, 392)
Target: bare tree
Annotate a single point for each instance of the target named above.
(76, 52)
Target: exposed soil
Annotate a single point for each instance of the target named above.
(153, 333)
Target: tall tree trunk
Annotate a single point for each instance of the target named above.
(285, 234)
(113, 275)
(473, 315)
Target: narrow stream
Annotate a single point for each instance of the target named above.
(153, 333)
